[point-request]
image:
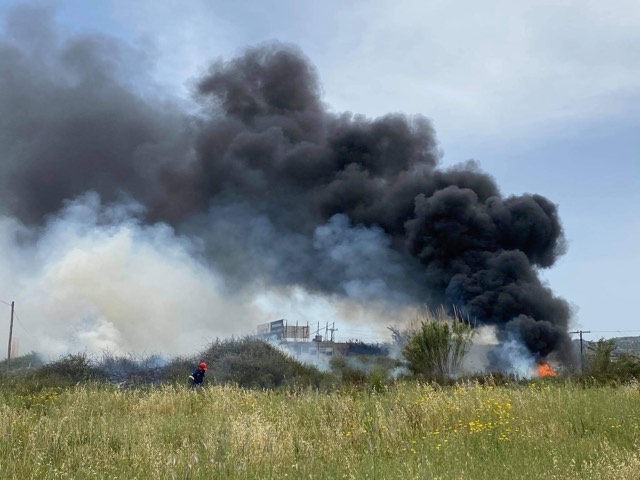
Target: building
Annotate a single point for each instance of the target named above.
(297, 340)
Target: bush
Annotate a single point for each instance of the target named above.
(347, 373)
(245, 362)
(357, 347)
(23, 363)
(602, 365)
(254, 363)
(69, 370)
(437, 349)
(129, 371)
(368, 372)
(178, 369)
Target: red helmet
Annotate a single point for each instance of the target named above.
(203, 366)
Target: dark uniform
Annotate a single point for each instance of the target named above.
(197, 377)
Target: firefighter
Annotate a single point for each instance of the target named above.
(197, 377)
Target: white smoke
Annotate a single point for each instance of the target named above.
(516, 358)
(484, 340)
(94, 279)
(318, 311)
(487, 353)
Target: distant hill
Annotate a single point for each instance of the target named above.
(629, 345)
(624, 345)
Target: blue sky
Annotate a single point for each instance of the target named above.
(544, 94)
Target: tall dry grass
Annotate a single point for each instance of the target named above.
(538, 431)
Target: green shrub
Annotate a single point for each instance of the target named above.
(602, 365)
(366, 372)
(253, 363)
(68, 370)
(436, 350)
(130, 370)
(23, 363)
(178, 369)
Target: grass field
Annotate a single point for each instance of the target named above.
(544, 430)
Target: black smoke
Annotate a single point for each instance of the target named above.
(279, 189)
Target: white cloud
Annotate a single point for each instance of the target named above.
(492, 66)
(482, 67)
(475, 68)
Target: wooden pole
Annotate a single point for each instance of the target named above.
(580, 332)
(10, 336)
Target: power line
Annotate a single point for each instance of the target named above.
(13, 315)
(615, 331)
(581, 332)
(20, 322)
(10, 337)
(16, 315)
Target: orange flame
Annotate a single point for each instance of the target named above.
(545, 370)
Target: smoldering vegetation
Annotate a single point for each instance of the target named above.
(245, 362)
(267, 185)
(254, 364)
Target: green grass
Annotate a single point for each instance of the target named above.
(544, 430)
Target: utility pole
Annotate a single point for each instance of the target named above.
(333, 329)
(10, 336)
(580, 332)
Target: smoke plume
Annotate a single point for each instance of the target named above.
(263, 188)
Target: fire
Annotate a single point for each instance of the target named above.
(545, 370)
